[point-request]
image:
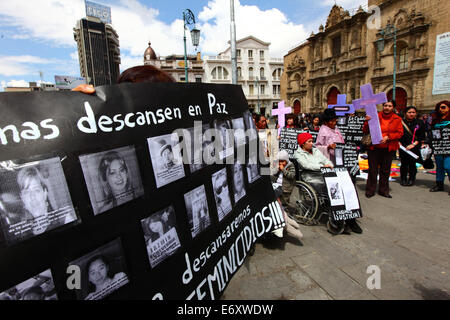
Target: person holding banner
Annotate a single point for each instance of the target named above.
(315, 124)
(381, 155)
(441, 119)
(329, 135)
(410, 144)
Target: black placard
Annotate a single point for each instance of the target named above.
(351, 128)
(346, 155)
(440, 140)
(344, 200)
(124, 118)
(288, 139)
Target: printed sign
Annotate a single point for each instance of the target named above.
(288, 139)
(92, 188)
(99, 11)
(441, 71)
(440, 140)
(351, 128)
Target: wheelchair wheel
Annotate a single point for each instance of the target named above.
(303, 203)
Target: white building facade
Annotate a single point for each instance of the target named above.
(258, 73)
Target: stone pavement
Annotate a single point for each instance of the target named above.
(407, 237)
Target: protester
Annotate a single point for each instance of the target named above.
(329, 135)
(412, 139)
(315, 124)
(309, 157)
(292, 121)
(441, 119)
(381, 155)
(284, 180)
(261, 122)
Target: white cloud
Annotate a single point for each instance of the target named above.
(22, 65)
(346, 4)
(17, 83)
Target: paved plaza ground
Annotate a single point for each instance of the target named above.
(407, 237)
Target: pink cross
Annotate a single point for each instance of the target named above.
(369, 102)
(281, 112)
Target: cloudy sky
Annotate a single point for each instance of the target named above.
(37, 36)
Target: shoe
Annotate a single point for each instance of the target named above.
(347, 230)
(409, 183)
(439, 186)
(335, 228)
(354, 226)
(369, 195)
(403, 183)
(385, 195)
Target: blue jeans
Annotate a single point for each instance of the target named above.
(442, 166)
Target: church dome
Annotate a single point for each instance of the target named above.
(149, 53)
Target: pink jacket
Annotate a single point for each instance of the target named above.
(326, 137)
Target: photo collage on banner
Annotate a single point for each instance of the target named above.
(221, 193)
(40, 287)
(103, 271)
(34, 199)
(112, 178)
(197, 210)
(166, 159)
(104, 185)
(161, 237)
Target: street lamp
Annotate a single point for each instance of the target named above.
(189, 20)
(389, 31)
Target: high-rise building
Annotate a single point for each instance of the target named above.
(98, 51)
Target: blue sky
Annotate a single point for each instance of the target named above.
(37, 35)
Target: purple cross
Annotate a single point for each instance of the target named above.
(281, 111)
(342, 108)
(369, 102)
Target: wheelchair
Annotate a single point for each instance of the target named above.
(308, 203)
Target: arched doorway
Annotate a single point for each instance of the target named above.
(332, 95)
(401, 98)
(297, 107)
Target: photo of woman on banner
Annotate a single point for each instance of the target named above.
(103, 271)
(196, 156)
(112, 178)
(252, 172)
(250, 126)
(166, 159)
(221, 193)
(224, 137)
(238, 182)
(160, 235)
(40, 287)
(239, 132)
(34, 199)
(197, 210)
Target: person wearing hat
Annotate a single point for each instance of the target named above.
(166, 154)
(329, 134)
(309, 157)
(285, 176)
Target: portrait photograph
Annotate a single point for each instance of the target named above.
(250, 125)
(225, 136)
(238, 182)
(166, 159)
(252, 172)
(221, 193)
(112, 178)
(40, 287)
(334, 191)
(160, 233)
(197, 210)
(197, 146)
(436, 134)
(34, 199)
(103, 271)
(239, 132)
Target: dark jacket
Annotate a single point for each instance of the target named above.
(288, 181)
(407, 138)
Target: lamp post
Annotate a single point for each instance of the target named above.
(189, 20)
(257, 86)
(389, 31)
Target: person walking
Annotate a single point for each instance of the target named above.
(381, 155)
(412, 140)
(441, 119)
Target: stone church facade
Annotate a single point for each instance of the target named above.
(344, 54)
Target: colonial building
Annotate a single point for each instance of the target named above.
(344, 54)
(174, 65)
(258, 73)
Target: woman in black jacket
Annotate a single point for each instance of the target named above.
(412, 139)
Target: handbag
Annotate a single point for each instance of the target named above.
(428, 164)
(366, 140)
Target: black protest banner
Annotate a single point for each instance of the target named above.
(90, 183)
(288, 139)
(440, 140)
(342, 193)
(351, 128)
(346, 155)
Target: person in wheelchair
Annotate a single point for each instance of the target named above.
(311, 158)
(283, 180)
